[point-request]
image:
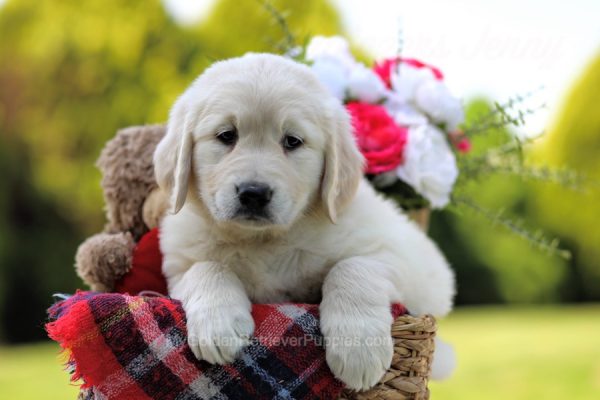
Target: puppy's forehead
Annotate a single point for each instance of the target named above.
(264, 70)
(268, 84)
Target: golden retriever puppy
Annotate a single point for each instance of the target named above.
(269, 205)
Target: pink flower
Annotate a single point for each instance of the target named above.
(464, 145)
(384, 68)
(418, 64)
(460, 141)
(380, 140)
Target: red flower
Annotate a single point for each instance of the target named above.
(380, 140)
(384, 68)
(460, 141)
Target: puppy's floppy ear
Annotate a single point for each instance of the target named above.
(343, 164)
(173, 156)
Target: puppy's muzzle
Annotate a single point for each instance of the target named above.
(254, 198)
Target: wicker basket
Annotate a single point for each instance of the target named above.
(411, 365)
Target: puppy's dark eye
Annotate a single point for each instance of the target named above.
(228, 137)
(291, 142)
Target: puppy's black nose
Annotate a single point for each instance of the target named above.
(254, 196)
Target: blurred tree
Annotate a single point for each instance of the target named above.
(76, 72)
(574, 141)
(236, 27)
(36, 248)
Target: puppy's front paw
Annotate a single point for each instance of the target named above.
(359, 347)
(218, 334)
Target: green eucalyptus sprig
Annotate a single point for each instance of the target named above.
(288, 45)
(503, 115)
(536, 239)
(508, 159)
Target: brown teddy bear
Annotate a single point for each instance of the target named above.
(134, 205)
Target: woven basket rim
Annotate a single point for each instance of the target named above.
(407, 377)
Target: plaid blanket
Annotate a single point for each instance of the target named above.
(135, 347)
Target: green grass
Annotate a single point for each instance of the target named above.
(536, 353)
(34, 372)
(503, 353)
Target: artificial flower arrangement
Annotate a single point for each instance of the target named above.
(406, 121)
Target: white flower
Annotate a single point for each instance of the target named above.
(331, 48)
(434, 98)
(406, 79)
(365, 85)
(429, 164)
(333, 75)
(417, 91)
(403, 113)
(332, 62)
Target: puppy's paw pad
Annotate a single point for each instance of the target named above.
(218, 336)
(359, 351)
(359, 367)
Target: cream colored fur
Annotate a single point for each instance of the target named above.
(330, 236)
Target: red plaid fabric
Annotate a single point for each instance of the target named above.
(135, 347)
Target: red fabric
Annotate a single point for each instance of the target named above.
(135, 347)
(146, 269)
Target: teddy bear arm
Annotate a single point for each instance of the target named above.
(103, 259)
